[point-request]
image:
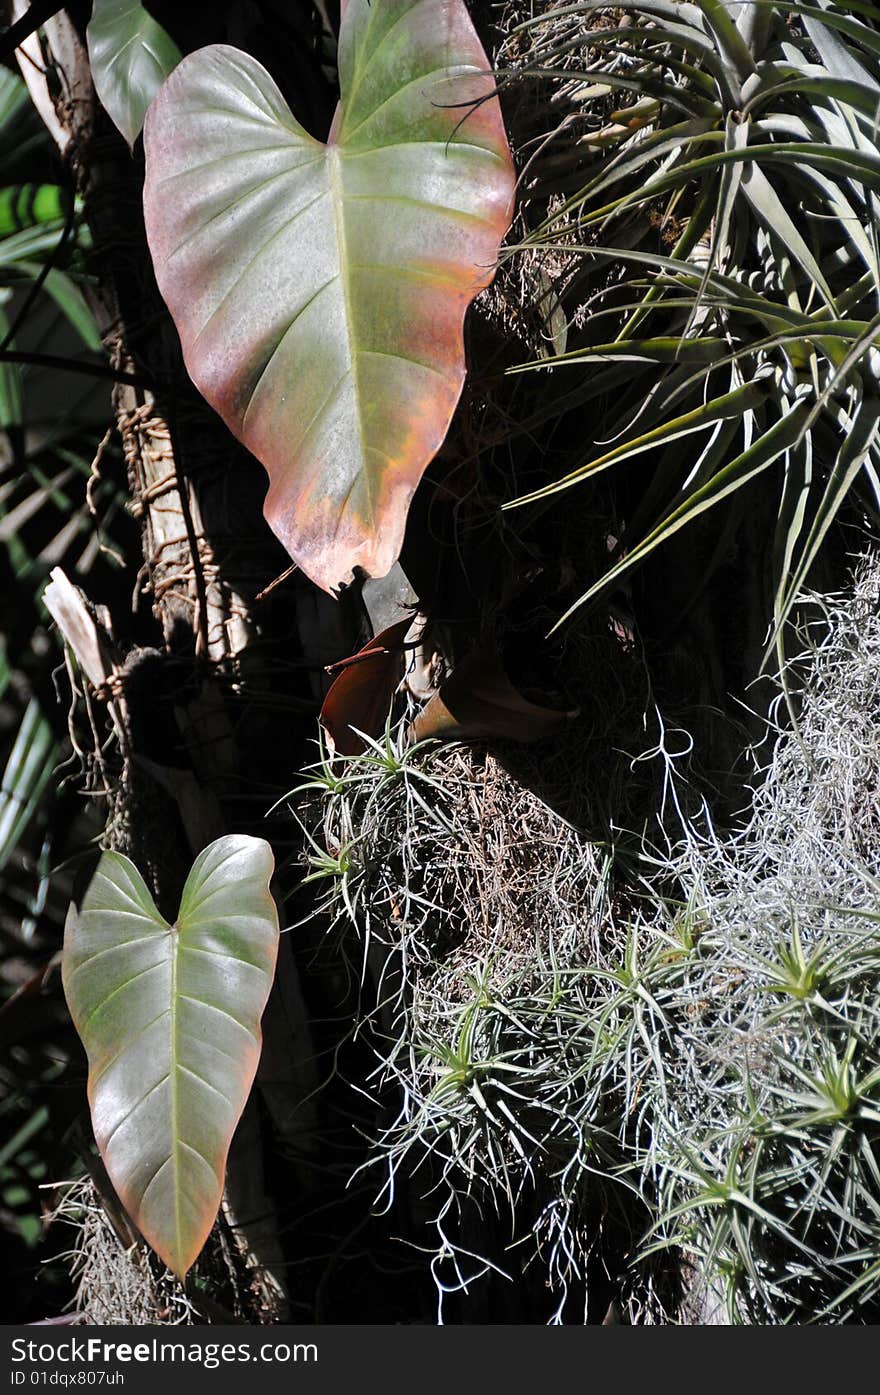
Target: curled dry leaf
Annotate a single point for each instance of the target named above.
(360, 696)
(479, 702)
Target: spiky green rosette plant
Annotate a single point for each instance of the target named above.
(764, 1126)
(705, 1066)
(743, 340)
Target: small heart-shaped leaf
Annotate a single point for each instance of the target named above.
(320, 289)
(130, 56)
(170, 1019)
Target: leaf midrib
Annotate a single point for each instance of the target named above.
(362, 67)
(174, 932)
(333, 158)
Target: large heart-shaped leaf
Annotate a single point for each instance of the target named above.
(130, 56)
(320, 290)
(170, 1019)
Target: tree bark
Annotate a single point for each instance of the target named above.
(217, 692)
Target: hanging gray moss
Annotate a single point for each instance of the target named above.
(670, 1066)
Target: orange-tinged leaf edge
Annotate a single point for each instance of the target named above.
(117, 887)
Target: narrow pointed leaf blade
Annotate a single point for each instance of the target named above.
(131, 56)
(170, 1019)
(320, 289)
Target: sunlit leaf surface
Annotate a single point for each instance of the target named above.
(170, 1019)
(130, 56)
(320, 289)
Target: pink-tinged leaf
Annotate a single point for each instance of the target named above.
(170, 1019)
(320, 289)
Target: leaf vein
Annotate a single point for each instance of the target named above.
(112, 949)
(241, 277)
(212, 1007)
(83, 1025)
(439, 74)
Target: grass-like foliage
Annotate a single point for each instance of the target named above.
(697, 1066)
(709, 199)
(765, 1123)
(475, 911)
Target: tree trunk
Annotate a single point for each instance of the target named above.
(213, 693)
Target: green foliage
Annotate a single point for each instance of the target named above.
(131, 56)
(478, 1016)
(46, 518)
(170, 1019)
(704, 1065)
(22, 136)
(21, 1166)
(745, 343)
(28, 771)
(40, 229)
(41, 243)
(46, 447)
(763, 1144)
